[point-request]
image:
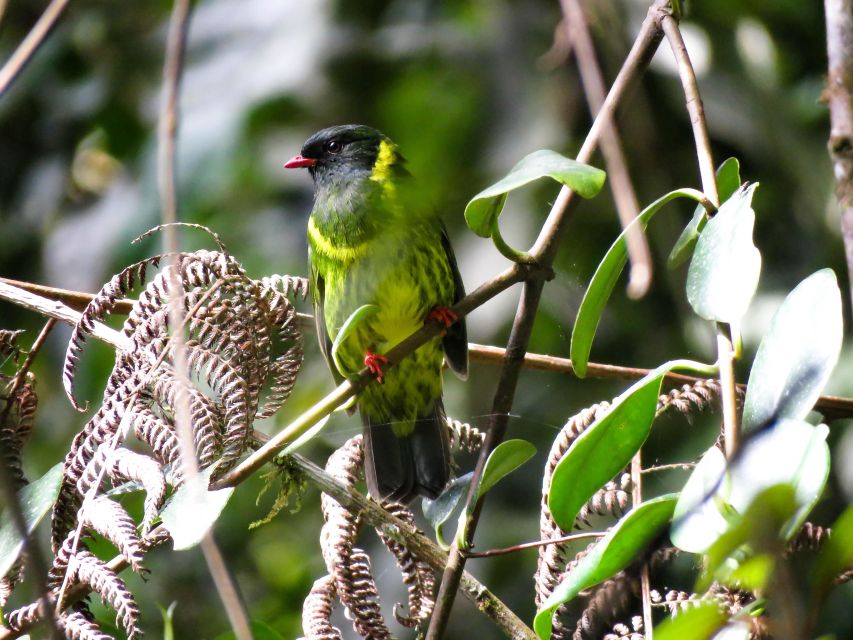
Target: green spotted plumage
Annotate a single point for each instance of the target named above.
(371, 241)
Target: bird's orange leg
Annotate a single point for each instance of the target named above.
(374, 363)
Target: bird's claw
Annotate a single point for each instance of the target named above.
(444, 316)
(374, 363)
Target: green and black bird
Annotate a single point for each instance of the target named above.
(373, 241)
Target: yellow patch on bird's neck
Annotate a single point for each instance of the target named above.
(385, 160)
(335, 250)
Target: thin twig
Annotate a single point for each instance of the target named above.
(577, 33)
(725, 346)
(533, 545)
(839, 97)
(543, 252)
(29, 45)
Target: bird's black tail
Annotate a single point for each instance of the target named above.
(399, 468)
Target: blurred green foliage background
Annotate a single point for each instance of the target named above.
(466, 87)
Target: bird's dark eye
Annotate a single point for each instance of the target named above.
(333, 146)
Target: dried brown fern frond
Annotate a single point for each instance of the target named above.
(607, 603)
(240, 338)
(622, 631)
(317, 611)
(612, 499)
(810, 537)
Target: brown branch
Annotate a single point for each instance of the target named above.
(29, 45)
(577, 33)
(832, 407)
(543, 251)
(839, 97)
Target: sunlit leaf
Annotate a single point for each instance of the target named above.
(604, 280)
(607, 445)
(759, 527)
(36, 499)
(728, 181)
(791, 452)
(483, 210)
(797, 354)
(723, 274)
(193, 509)
(696, 623)
(168, 621)
(698, 520)
(355, 319)
(611, 554)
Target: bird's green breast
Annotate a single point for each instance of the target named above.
(404, 271)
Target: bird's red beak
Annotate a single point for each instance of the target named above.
(299, 161)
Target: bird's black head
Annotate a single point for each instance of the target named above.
(346, 152)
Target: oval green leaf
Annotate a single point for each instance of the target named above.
(728, 181)
(601, 451)
(797, 354)
(508, 456)
(193, 509)
(350, 325)
(723, 274)
(791, 452)
(438, 511)
(605, 278)
(35, 500)
(483, 210)
(611, 554)
(699, 519)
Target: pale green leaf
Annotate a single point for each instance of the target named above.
(35, 499)
(723, 274)
(193, 509)
(797, 354)
(728, 181)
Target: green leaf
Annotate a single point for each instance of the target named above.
(699, 519)
(791, 452)
(835, 557)
(607, 445)
(723, 274)
(35, 499)
(728, 181)
(193, 509)
(611, 554)
(503, 460)
(760, 528)
(438, 511)
(350, 325)
(483, 210)
(508, 456)
(696, 623)
(605, 278)
(168, 621)
(797, 354)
